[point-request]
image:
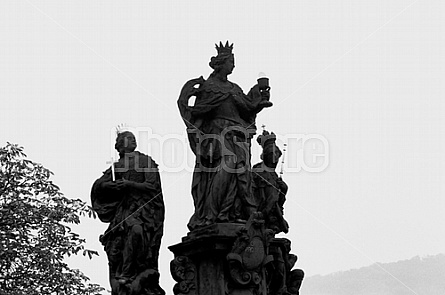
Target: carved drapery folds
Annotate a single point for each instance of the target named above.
(223, 254)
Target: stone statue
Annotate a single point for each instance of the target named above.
(270, 189)
(249, 257)
(220, 126)
(281, 278)
(231, 248)
(270, 193)
(129, 198)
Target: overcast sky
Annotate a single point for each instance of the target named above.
(361, 82)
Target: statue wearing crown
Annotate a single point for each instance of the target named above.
(231, 248)
(270, 193)
(269, 188)
(220, 126)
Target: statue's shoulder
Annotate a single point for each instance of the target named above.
(263, 174)
(258, 165)
(236, 87)
(257, 170)
(215, 86)
(146, 160)
(211, 85)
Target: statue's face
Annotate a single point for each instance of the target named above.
(229, 65)
(271, 157)
(129, 143)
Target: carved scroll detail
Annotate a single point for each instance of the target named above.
(184, 273)
(248, 256)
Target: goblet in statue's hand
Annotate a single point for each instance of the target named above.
(265, 96)
(259, 99)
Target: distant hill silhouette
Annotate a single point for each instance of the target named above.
(422, 276)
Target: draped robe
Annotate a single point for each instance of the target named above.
(220, 126)
(136, 217)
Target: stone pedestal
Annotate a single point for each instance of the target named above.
(221, 259)
(232, 259)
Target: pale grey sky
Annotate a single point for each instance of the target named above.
(367, 76)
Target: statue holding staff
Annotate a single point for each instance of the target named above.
(131, 202)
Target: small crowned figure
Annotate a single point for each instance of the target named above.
(270, 189)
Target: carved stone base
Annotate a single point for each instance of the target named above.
(200, 265)
(233, 259)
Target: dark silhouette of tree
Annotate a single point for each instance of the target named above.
(35, 235)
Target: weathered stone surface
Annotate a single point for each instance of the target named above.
(128, 196)
(230, 249)
(211, 252)
(220, 126)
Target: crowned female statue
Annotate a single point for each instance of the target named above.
(220, 126)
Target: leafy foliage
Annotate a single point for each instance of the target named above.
(34, 233)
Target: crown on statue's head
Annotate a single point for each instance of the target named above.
(266, 138)
(224, 49)
(121, 128)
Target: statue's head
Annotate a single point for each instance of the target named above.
(125, 142)
(271, 155)
(225, 60)
(271, 152)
